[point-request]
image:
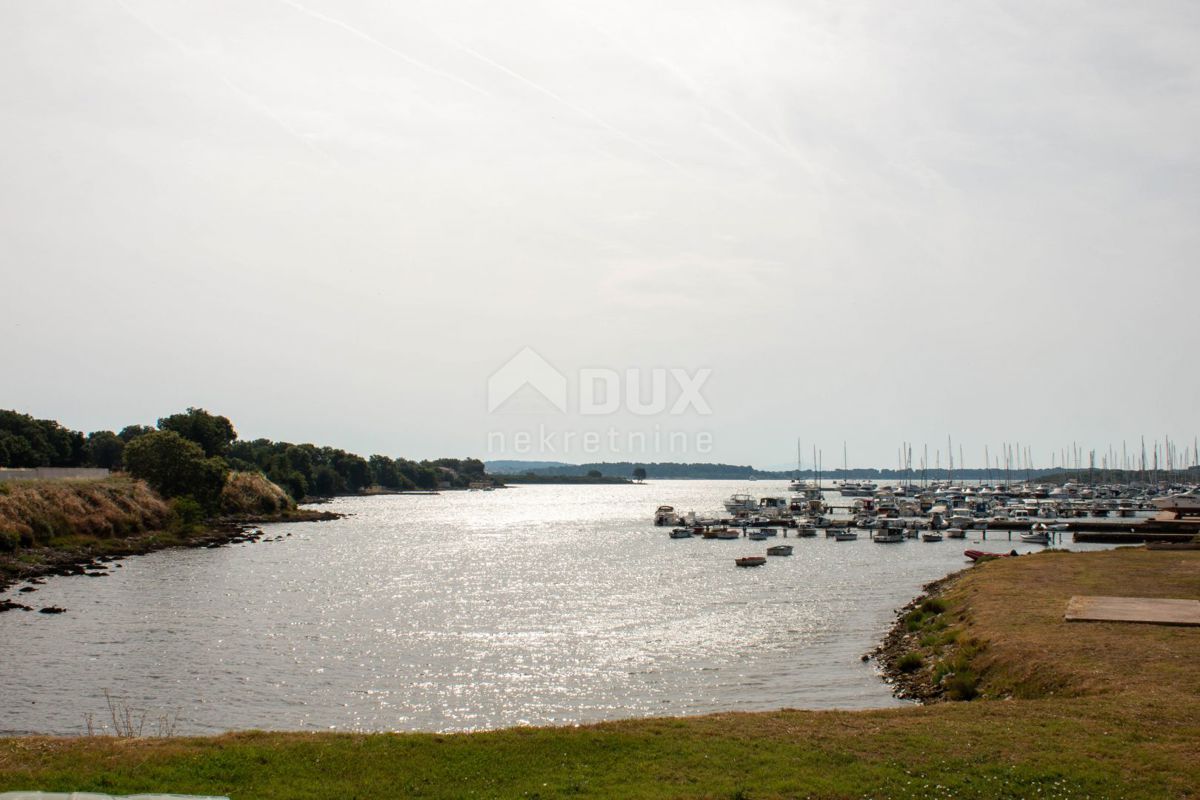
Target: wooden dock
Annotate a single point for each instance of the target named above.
(1151, 610)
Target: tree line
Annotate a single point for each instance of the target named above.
(191, 453)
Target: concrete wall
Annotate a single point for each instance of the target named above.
(52, 474)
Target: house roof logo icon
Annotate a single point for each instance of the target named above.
(527, 368)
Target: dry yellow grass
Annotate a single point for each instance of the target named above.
(252, 493)
(39, 511)
(1016, 606)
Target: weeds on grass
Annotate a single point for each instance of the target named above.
(130, 723)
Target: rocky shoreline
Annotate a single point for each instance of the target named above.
(915, 685)
(95, 561)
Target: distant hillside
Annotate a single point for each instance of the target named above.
(705, 471)
(517, 467)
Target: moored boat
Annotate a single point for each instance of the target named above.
(741, 504)
(956, 533)
(888, 536)
(982, 555)
(846, 535)
(728, 533)
(1183, 504)
(665, 515)
(681, 533)
(931, 536)
(1038, 534)
(779, 550)
(750, 561)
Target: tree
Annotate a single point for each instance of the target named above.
(29, 442)
(104, 449)
(639, 473)
(595, 473)
(385, 474)
(356, 471)
(326, 482)
(211, 432)
(16, 451)
(131, 432)
(176, 467)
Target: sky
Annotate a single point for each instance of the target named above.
(724, 226)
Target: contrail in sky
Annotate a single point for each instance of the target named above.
(397, 53)
(682, 77)
(250, 99)
(583, 112)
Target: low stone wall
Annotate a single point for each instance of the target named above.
(52, 474)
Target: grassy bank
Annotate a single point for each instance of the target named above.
(1092, 710)
(62, 527)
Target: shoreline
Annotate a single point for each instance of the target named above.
(899, 641)
(94, 557)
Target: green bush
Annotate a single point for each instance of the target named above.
(909, 662)
(187, 514)
(962, 685)
(177, 467)
(933, 605)
(9, 541)
(913, 621)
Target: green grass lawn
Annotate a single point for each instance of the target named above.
(1118, 718)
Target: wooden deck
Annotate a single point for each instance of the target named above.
(1151, 610)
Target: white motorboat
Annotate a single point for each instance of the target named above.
(845, 535)
(774, 507)
(857, 488)
(1187, 503)
(931, 536)
(665, 515)
(757, 535)
(681, 533)
(741, 504)
(888, 536)
(956, 533)
(1038, 534)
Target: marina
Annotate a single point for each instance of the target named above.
(1029, 513)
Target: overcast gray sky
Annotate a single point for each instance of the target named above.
(873, 222)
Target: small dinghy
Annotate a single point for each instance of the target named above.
(981, 555)
(779, 550)
(931, 536)
(750, 561)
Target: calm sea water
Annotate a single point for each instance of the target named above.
(535, 605)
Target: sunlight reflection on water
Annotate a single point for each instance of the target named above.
(467, 610)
